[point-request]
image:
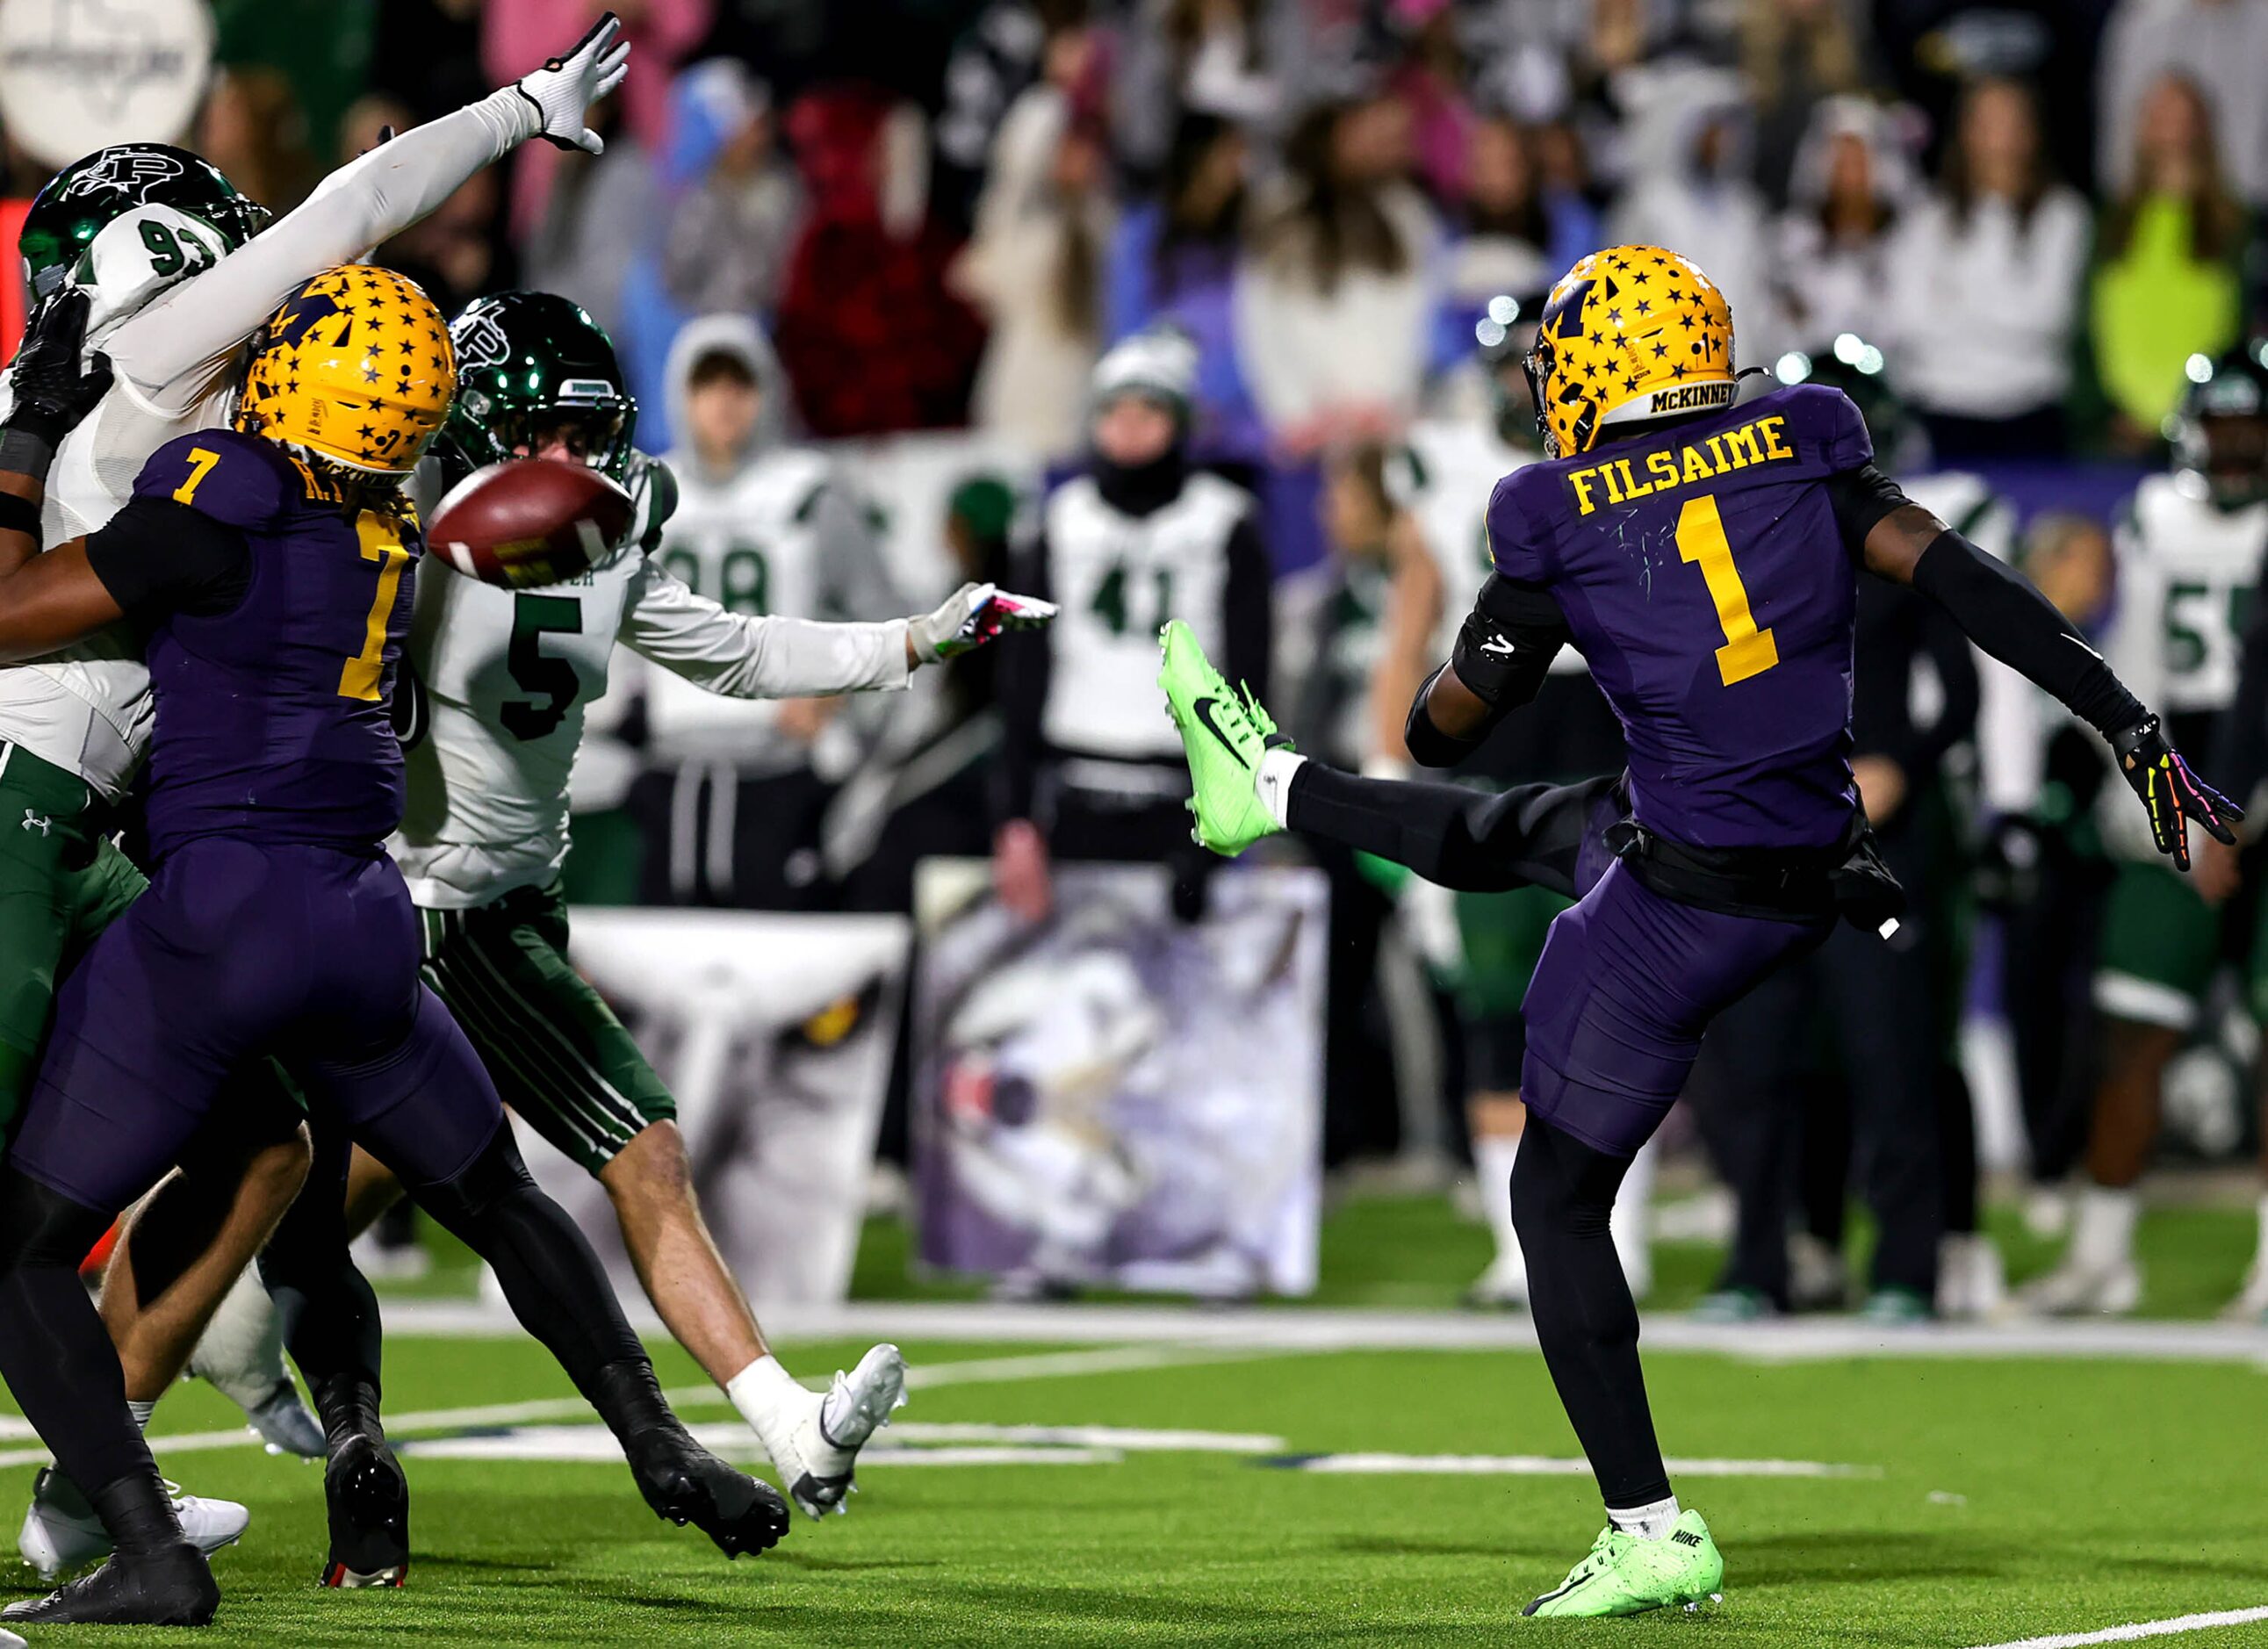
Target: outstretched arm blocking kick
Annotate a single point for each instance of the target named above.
(171, 349)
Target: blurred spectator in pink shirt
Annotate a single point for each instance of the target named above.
(517, 33)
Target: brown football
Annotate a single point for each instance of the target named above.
(528, 522)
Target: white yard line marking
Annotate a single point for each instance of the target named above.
(969, 1372)
(1293, 1327)
(1133, 1439)
(1553, 1466)
(1116, 1359)
(730, 1440)
(2139, 1628)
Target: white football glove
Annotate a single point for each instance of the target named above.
(972, 615)
(564, 88)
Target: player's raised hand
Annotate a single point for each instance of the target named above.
(972, 615)
(54, 391)
(2171, 791)
(564, 88)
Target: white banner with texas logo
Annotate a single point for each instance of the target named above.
(1116, 1097)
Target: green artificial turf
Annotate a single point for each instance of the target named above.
(2013, 1499)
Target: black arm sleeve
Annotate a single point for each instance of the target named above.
(1955, 664)
(2000, 611)
(1248, 604)
(1503, 653)
(1861, 497)
(158, 556)
(2241, 739)
(1026, 667)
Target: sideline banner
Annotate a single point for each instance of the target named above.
(1113, 1096)
(775, 1034)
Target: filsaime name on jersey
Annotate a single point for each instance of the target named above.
(1763, 441)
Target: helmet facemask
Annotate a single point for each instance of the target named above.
(1538, 364)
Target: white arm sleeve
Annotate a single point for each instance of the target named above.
(168, 351)
(744, 656)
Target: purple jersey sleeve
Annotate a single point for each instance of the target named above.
(1826, 422)
(242, 479)
(1519, 511)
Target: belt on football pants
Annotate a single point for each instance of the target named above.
(1848, 879)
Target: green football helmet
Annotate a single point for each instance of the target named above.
(529, 363)
(1855, 366)
(80, 200)
(1502, 337)
(2219, 430)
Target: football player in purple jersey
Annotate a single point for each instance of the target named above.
(1702, 556)
(270, 567)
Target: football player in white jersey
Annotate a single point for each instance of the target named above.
(177, 272)
(503, 678)
(2190, 553)
(734, 790)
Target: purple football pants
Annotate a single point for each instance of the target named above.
(240, 949)
(1627, 982)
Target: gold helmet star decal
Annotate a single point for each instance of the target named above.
(320, 376)
(1628, 334)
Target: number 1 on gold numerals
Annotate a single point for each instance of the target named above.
(1748, 650)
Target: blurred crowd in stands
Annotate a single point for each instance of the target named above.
(1229, 296)
(2037, 210)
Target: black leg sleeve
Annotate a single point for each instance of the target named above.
(1562, 1191)
(61, 1367)
(329, 1314)
(1468, 840)
(554, 1282)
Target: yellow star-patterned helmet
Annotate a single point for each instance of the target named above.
(1628, 334)
(356, 367)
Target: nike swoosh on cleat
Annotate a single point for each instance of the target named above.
(1551, 1597)
(1204, 710)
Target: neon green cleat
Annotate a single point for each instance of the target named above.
(1224, 735)
(1625, 1575)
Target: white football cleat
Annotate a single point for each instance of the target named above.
(1502, 1287)
(815, 1445)
(286, 1424)
(9, 1640)
(2078, 1289)
(2251, 1302)
(61, 1533)
(241, 1357)
(1971, 1284)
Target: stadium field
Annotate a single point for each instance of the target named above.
(1171, 1476)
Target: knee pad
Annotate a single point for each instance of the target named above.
(40, 1225)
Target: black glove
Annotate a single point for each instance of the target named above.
(54, 393)
(2171, 791)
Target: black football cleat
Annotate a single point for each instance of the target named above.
(368, 1497)
(686, 1483)
(172, 1586)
